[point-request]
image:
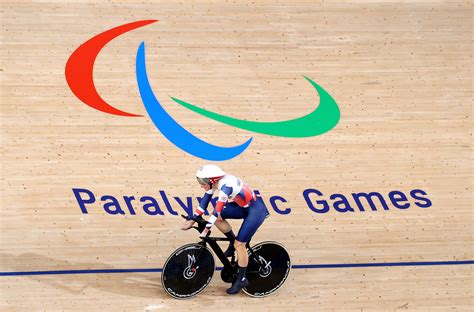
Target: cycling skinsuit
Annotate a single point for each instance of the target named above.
(236, 200)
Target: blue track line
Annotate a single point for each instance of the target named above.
(296, 266)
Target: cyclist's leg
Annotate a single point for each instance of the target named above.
(256, 215)
(230, 211)
(233, 211)
(223, 225)
(226, 229)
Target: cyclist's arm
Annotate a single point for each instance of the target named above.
(224, 193)
(204, 203)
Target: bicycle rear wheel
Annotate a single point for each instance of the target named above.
(188, 271)
(268, 270)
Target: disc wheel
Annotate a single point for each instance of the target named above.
(268, 270)
(188, 271)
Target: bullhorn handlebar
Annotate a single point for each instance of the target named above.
(201, 223)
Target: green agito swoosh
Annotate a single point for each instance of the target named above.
(322, 119)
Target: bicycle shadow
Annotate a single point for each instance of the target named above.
(146, 285)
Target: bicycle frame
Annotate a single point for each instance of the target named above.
(212, 241)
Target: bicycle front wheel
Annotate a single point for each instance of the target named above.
(188, 271)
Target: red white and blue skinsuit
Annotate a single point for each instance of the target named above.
(236, 200)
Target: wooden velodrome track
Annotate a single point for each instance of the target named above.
(401, 74)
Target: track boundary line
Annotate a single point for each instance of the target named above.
(296, 266)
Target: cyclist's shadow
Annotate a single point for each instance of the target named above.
(132, 284)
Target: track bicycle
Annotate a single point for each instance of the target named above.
(189, 269)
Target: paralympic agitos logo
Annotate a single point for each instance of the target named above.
(79, 76)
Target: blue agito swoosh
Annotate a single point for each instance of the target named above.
(173, 131)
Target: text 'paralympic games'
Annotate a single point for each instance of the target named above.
(313, 200)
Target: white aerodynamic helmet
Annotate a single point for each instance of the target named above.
(209, 174)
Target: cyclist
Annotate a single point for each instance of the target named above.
(236, 200)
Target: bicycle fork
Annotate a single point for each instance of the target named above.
(264, 266)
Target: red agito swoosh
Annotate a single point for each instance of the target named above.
(80, 65)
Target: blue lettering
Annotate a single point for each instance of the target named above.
(273, 199)
(341, 205)
(306, 194)
(368, 197)
(189, 207)
(167, 203)
(128, 201)
(396, 197)
(425, 201)
(82, 201)
(113, 203)
(153, 204)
